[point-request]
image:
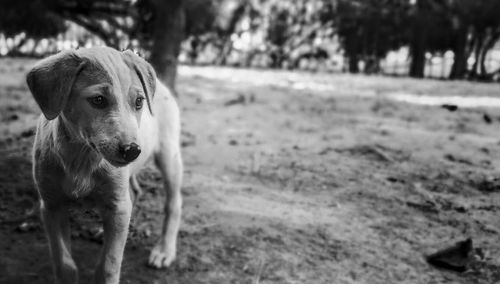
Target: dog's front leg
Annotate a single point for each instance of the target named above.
(55, 220)
(116, 218)
(170, 165)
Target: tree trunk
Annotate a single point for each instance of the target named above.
(417, 65)
(459, 67)
(277, 58)
(353, 64)
(372, 65)
(418, 44)
(169, 31)
(225, 50)
(477, 53)
(482, 61)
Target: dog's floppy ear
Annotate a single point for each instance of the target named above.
(146, 74)
(50, 81)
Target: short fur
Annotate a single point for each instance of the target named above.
(76, 150)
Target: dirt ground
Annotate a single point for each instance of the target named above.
(289, 178)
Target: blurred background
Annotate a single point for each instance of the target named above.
(446, 39)
(324, 141)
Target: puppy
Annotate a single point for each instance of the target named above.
(104, 115)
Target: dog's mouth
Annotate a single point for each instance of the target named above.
(117, 163)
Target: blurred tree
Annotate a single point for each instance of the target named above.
(419, 40)
(483, 20)
(157, 26)
(161, 26)
(294, 28)
(228, 17)
(288, 30)
(30, 18)
(167, 34)
(460, 47)
(463, 26)
(368, 29)
(278, 35)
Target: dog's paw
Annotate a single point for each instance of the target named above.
(160, 257)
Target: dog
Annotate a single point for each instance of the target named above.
(104, 115)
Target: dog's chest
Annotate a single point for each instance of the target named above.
(81, 171)
(80, 183)
(78, 186)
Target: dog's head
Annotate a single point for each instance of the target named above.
(99, 94)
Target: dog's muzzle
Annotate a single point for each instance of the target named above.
(129, 152)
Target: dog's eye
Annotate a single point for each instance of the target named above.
(138, 103)
(98, 102)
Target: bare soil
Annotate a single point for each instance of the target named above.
(289, 178)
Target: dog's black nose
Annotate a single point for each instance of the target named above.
(130, 152)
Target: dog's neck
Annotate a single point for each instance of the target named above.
(77, 158)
